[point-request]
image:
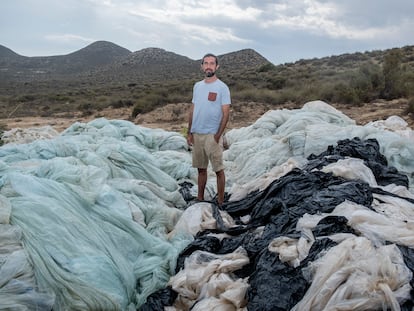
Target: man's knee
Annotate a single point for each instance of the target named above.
(220, 173)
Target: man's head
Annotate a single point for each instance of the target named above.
(209, 65)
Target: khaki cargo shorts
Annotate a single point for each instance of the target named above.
(206, 149)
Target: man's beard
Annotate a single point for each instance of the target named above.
(209, 74)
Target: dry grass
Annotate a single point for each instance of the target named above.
(173, 117)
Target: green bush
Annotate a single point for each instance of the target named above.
(3, 128)
(394, 86)
(147, 103)
(121, 103)
(26, 98)
(345, 94)
(141, 107)
(276, 83)
(266, 67)
(410, 107)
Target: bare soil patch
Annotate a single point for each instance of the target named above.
(173, 117)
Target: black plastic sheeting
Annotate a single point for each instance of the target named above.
(278, 208)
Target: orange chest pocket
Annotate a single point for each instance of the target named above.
(212, 96)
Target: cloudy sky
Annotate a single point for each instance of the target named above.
(280, 30)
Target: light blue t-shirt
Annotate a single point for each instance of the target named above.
(208, 99)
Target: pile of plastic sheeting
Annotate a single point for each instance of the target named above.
(20, 135)
(86, 217)
(320, 215)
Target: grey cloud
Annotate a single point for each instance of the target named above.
(281, 30)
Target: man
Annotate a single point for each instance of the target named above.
(208, 117)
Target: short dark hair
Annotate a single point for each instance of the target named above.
(209, 55)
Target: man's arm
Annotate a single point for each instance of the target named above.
(225, 118)
(190, 123)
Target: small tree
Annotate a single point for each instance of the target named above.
(393, 76)
(367, 82)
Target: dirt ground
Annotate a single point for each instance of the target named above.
(173, 117)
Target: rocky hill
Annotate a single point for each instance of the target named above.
(8, 56)
(146, 66)
(15, 67)
(105, 61)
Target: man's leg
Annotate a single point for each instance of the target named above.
(202, 181)
(221, 181)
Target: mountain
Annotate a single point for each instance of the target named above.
(247, 58)
(95, 55)
(147, 65)
(8, 55)
(104, 61)
(21, 68)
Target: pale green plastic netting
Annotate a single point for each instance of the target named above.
(94, 208)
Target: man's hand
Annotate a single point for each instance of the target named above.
(217, 137)
(190, 139)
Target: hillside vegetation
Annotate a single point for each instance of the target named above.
(104, 75)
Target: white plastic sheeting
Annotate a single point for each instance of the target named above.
(282, 135)
(91, 213)
(206, 282)
(19, 135)
(357, 276)
(361, 273)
